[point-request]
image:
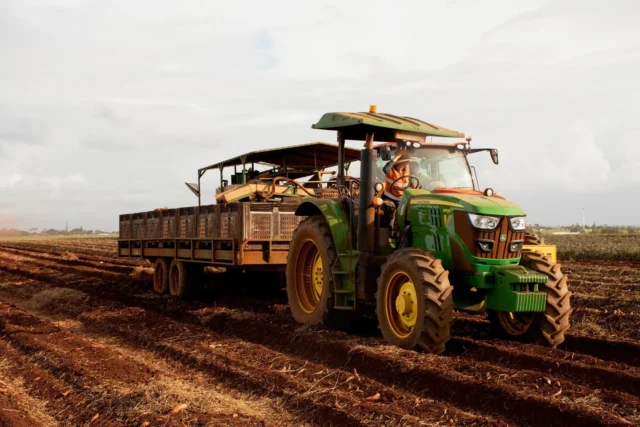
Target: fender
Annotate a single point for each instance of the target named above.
(344, 270)
(335, 216)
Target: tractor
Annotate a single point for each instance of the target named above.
(445, 245)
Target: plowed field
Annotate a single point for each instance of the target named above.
(85, 340)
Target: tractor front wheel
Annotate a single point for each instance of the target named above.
(414, 302)
(309, 279)
(545, 328)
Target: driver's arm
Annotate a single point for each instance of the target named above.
(387, 168)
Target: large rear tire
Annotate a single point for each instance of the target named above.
(309, 279)
(161, 276)
(414, 302)
(547, 328)
(533, 239)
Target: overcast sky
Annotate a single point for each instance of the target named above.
(108, 107)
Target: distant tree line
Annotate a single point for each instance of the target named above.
(593, 229)
(12, 232)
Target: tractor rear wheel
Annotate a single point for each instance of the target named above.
(161, 276)
(309, 279)
(414, 302)
(545, 328)
(533, 239)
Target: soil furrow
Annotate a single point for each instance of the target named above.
(221, 366)
(98, 265)
(252, 346)
(539, 405)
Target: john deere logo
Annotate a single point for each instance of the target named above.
(503, 237)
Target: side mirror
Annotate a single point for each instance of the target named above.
(494, 155)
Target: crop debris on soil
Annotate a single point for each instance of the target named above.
(84, 340)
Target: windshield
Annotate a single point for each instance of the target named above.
(435, 167)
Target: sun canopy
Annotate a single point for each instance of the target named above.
(312, 156)
(387, 127)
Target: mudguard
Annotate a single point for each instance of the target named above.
(335, 216)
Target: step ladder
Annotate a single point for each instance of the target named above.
(344, 279)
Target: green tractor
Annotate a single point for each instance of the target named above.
(444, 245)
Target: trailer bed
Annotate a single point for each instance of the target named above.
(243, 235)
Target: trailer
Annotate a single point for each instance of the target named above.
(250, 225)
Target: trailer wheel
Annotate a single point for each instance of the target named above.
(161, 276)
(178, 278)
(545, 328)
(309, 279)
(414, 301)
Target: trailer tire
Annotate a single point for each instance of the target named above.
(161, 276)
(179, 278)
(414, 301)
(312, 253)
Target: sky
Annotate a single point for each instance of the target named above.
(109, 107)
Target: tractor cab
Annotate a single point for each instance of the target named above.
(434, 166)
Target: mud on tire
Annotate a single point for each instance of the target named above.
(435, 300)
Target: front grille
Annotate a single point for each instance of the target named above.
(500, 248)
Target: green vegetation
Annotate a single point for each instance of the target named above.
(108, 236)
(53, 233)
(584, 247)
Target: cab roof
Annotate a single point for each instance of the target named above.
(386, 127)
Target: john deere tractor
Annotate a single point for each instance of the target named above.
(444, 245)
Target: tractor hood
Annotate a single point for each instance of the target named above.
(470, 201)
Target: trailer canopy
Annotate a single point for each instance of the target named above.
(313, 156)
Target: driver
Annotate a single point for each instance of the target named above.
(398, 169)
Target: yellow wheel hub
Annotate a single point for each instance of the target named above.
(401, 304)
(317, 276)
(407, 305)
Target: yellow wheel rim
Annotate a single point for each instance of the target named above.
(401, 304)
(309, 276)
(317, 276)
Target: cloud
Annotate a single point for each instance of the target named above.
(11, 181)
(104, 145)
(21, 131)
(108, 114)
(58, 185)
(120, 92)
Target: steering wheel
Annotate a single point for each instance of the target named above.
(412, 179)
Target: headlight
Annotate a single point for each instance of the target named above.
(518, 222)
(484, 222)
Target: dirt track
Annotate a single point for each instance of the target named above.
(83, 337)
